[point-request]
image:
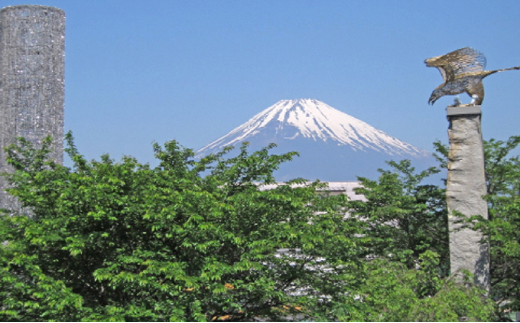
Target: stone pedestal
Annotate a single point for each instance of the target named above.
(32, 63)
(465, 187)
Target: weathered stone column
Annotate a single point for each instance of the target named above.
(32, 64)
(465, 187)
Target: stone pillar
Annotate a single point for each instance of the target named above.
(465, 187)
(32, 62)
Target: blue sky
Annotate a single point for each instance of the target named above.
(156, 70)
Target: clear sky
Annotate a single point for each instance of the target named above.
(155, 70)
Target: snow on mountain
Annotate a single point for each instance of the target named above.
(333, 145)
(316, 120)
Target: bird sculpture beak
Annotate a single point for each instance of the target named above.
(431, 61)
(431, 100)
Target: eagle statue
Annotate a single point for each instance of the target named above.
(462, 71)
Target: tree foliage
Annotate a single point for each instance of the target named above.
(124, 241)
(204, 241)
(394, 293)
(502, 229)
(404, 217)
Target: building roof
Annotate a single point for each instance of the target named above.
(346, 188)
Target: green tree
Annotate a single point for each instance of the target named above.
(405, 232)
(123, 241)
(502, 229)
(404, 218)
(394, 293)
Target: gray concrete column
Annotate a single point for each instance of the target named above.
(465, 187)
(32, 64)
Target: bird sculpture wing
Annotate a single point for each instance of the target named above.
(460, 61)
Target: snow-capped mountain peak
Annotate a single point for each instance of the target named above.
(314, 120)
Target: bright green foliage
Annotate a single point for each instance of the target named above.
(394, 293)
(502, 171)
(404, 218)
(405, 232)
(121, 241)
(503, 227)
(503, 230)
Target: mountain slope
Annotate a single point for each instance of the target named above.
(332, 145)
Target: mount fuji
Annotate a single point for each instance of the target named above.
(333, 145)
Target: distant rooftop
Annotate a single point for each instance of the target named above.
(334, 188)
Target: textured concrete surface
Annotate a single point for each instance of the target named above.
(32, 70)
(464, 190)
